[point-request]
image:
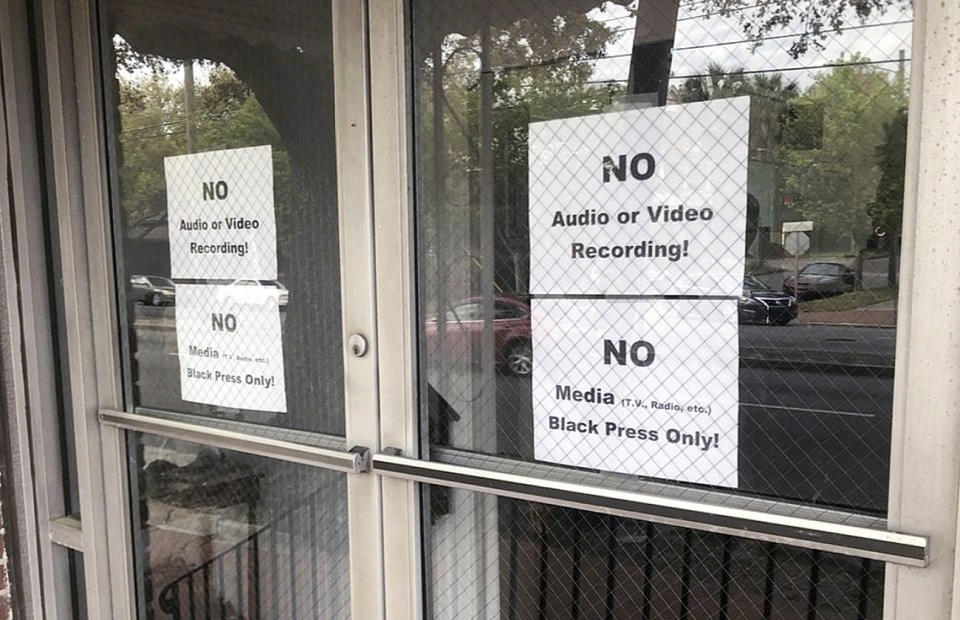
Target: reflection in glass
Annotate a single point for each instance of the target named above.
(209, 77)
(826, 146)
(227, 535)
(549, 562)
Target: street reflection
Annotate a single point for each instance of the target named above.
(814, 412)
(816, 382)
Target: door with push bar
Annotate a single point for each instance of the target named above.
(236, 143)
(637, 398)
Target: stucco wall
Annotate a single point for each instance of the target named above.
(5, 612)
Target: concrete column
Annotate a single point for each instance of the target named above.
(925, 460)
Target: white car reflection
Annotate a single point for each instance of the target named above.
(248, 292)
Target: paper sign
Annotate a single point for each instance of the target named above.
(229, 345)
(641, 202)
(643, 387)
(220, 214)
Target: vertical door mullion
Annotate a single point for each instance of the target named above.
(80, 194)
(396, 315)
(352, 120)
(39, 487)
(67, 195)
(106, 449)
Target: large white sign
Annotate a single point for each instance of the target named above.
(220, 214)
(642, 202)
(643, 387)
(229, 345)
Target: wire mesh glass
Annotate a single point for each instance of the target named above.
(225, 535)
(615, 333)
(227, 104)
(810, 323)
(495, 557)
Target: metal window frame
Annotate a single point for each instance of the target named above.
(79, 189)
(391, 124)
(34, 485)
(393, 113)
(35, 415)
(67, 532)
(354, 149)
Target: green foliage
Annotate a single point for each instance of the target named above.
(151, 128)
(537, 70)
(854, 117)
(814, 20)
(540, 69)
(886, 210)
(834, 185)
(769, 95)
(153, 125)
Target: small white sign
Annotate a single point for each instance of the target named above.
(796, 243)
(229, 346)
(220, 214)
(642, 387)
(640, 202)
(800, 226)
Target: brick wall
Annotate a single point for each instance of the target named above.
(5, 612)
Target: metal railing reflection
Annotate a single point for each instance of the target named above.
(562, 563)
(258, 576)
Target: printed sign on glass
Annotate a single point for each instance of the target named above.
(229, 345)
(220, 214)
(642, 387)
(640, 202)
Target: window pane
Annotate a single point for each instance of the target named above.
(493, 557)
(226, 535)
(805, 337)
(192, 80)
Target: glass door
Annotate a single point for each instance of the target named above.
(628, 306)
(236, 141)
(657, 277)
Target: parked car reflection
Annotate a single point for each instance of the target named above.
(464, 331)
(760, 305)
(248, 292)
(820, 280)
(151, 290)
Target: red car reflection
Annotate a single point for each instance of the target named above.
(464, 332)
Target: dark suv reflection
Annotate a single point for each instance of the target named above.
(761, 305)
